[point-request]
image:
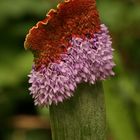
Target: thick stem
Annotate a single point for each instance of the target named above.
(82, 117)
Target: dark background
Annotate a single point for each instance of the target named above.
(19, 119)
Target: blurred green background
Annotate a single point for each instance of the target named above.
(19, 119)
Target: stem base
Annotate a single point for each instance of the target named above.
(82, 117)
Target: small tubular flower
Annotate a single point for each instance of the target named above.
(81, 53)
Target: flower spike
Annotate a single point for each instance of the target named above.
(70, 47)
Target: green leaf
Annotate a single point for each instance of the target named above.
(118, 115)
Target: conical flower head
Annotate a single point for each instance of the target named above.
(70, 46)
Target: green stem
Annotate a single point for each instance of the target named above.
(82, 117)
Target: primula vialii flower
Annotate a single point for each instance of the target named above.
(70, 46)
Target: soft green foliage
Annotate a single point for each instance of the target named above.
(122, 92)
